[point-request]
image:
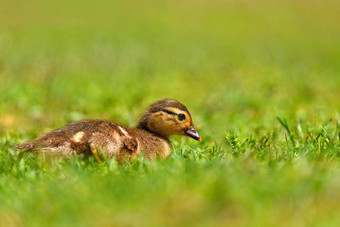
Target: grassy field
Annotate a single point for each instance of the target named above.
(262, 82)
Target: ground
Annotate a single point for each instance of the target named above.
(261, 79)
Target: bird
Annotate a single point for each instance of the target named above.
(106, 139)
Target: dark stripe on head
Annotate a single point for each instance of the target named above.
(168, 112)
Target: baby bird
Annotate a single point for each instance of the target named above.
(162, 119)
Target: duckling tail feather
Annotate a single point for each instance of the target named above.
(27, 145)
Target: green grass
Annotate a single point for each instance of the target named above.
(261, 79)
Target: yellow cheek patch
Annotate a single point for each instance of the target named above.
(166, 122)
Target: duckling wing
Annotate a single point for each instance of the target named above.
(113, 141)
(130, 144)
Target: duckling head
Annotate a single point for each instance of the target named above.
(168, 117)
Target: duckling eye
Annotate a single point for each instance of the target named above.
(181, 117)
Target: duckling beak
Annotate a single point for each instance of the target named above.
(193, 134)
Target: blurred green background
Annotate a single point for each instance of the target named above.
(234, 63)
(237, 65)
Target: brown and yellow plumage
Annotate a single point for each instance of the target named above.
(162, 119)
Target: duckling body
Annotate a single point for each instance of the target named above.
(90, 137)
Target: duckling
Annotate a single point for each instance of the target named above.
(161, 120)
